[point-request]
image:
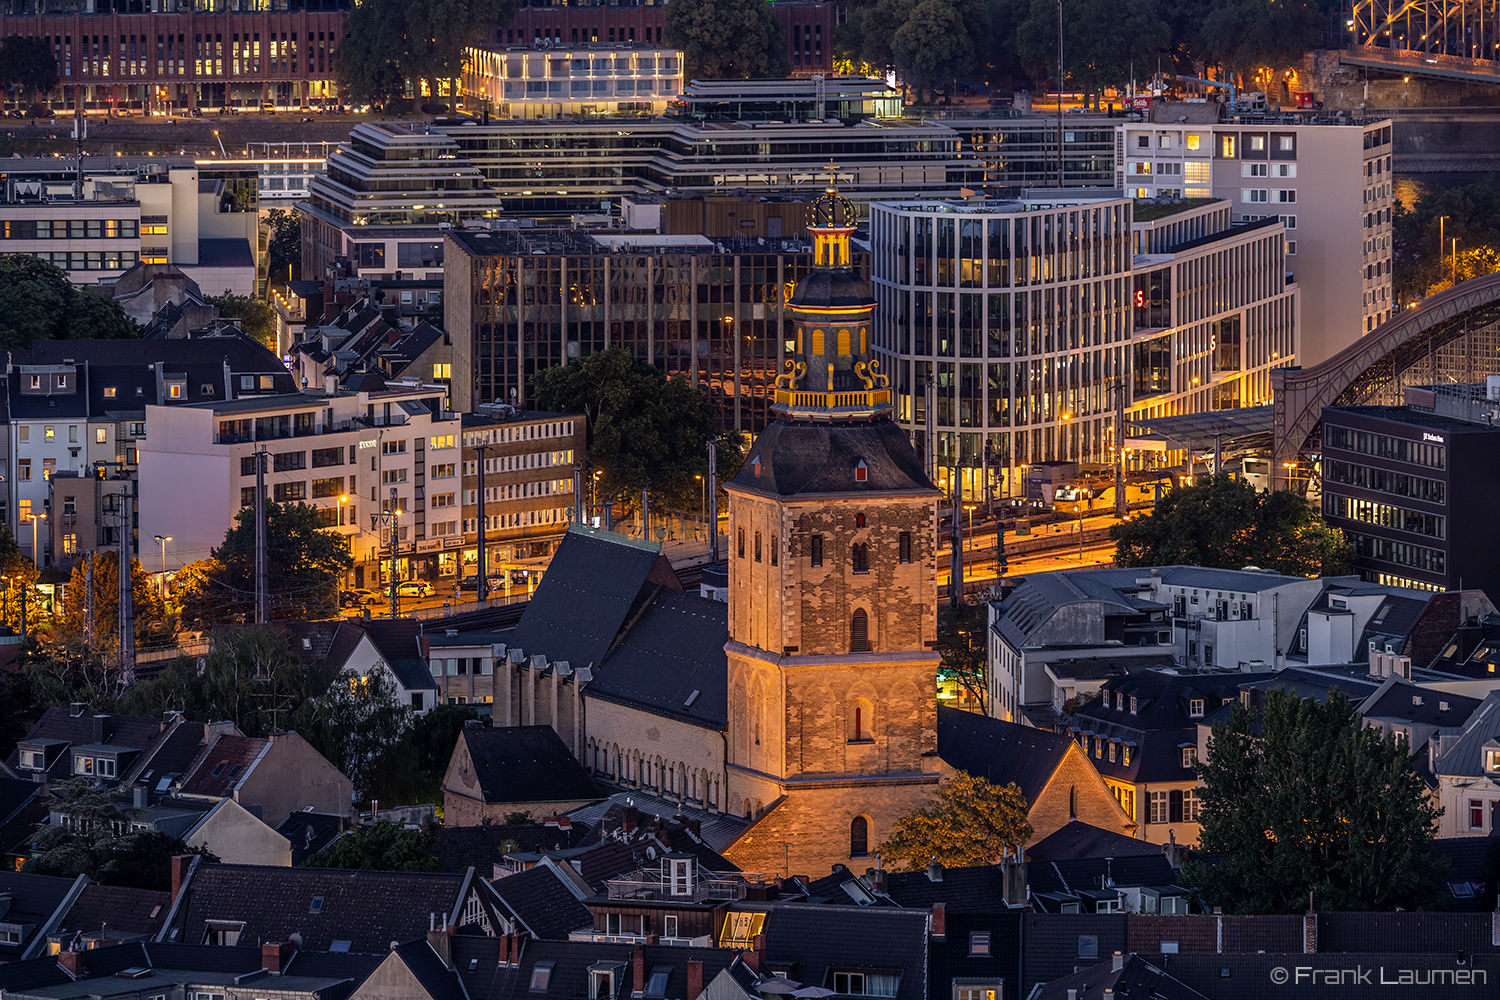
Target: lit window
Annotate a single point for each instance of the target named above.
(1189, 756)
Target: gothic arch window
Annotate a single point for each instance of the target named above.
(860, 552)
(757, 546)
(859, 838)
(861, 715)
(859, 631)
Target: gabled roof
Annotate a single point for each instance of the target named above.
(951, 958)
(459, 848)
(717, 829)
(596, 583)
(977, 889)
(1000, 752)
(427, 968)
(541, 902)
(398, 641)
(526, 764)
(309, 832)
(124, 909)
(486, 978)
(816, 940)
(58, 723)
(368, 909)
(805, 458)
(1080, 840)
(1465, 754)
(36, 901)
(1473, 873)
(1136, 977)
(672, 662)
(224, 765)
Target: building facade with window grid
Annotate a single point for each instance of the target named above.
(1020, 315)
(1410, 488)
(343, 453)
(716, 314)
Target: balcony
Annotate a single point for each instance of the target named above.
(696, 887)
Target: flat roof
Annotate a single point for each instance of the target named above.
(1149, 210)
(1416, 418)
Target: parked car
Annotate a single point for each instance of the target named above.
(357, 598)
(413, 588)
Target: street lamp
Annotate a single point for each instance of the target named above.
(36, 557)
(703, 500)
(162, 540)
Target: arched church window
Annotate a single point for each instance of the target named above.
(859, 838)
(859, 629)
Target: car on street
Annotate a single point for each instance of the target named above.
(413, 588)
(357, 598)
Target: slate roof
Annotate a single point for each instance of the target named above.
(609, 575)
(427, 968)
(1136, 979)
(366, 908)
(951, 959)
(125, 909)
(1464, 755)
(310, 832)
(332, 965)
(1406, 932)
(459, 848)
(171, 757)
(999, 752)
(523, 764)
(1050, 942)
(1071, 875)
(977, 889)
(15, 794)
(399, 643)
(803, 458)
(717, 829)
(812, 941)
(484, 978)
(672, 662)
(1080, 840)
(1473, 872)
(542, 902)
(222, 766)
(34, 900)
(135, 731)
(1409, 704)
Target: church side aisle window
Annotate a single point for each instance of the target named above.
(859, 642)
(814, 550)
(757, 546)
(861, 553)
(859, 837)
(742, 543)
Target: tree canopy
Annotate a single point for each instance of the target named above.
(284, 249)
(645, 429)
(305, 563)
(387, 43)
(71, 626)
(972, 822)
(1229, 524)
(28, 63)
(38, 302)
(384, 847)
(356, 723)
(256, 316)
(1302, 797)
(962, 643)
(726, 39)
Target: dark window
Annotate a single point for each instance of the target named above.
(1174, 806)
(859, 837)
(247, 465)
(370, 254)
(979, 943)
(757, 546)
(742, 543)
(859, 631)
(904, 546)
(775, 550)
(861, 472)
(861, 557)
(814, 550)
(859, 520)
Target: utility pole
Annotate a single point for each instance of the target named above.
(713, 503)
(395, 551)
(88, 600)
(577, 494)
(1121, 507)
(955, 539)
(262, 573)
(127, 612)
(484, 580)
(930, 394)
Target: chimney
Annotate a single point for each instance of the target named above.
(515, 950)
(274, 955)
(1072, 994)
(138, 796)
(760, 952)
(504, 949)
(638, 968)
(1310, 933)
(77, 708)
(72, 963)
(940, 921)
(694, 979)
(101, 728)
(1118, 963)
(1013, 880)
(629, 817)
(180, 864)
(935, 870)
(438, 938)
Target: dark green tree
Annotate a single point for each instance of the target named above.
(1242, 35)
(28, 63)
(284, 248)
(388, 44)
(1302, 798)
(256, 316)
(38, 302)
(357, 724)
(645, 429)
(933, 48)
(727, 39)
(305, 562)
(1228, 524)
(962, 644)
(384, 847)
(153, 626)
(1102, 42)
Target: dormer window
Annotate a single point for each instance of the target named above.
(62, 381)
(541, 976)
(1195, 708)
(755, 466)
(1134, 704)
(861, 472)
(1492, 760)
(33, 760)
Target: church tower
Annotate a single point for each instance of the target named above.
(832, 594)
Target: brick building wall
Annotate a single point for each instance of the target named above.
(1075, 791)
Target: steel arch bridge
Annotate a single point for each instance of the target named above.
(1453, 336)
(1452, 39)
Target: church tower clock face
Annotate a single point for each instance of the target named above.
(832, 593)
